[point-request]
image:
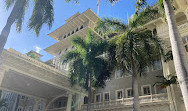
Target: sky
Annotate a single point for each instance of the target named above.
(27, 40)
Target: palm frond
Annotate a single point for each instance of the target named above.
(70, 55)
(77, 1)
(43, 13)
(116, 24)
(9, 3)
(143, 17)
(20, 18)
(78, 42)
(166, 81)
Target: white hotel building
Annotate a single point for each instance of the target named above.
(48, 86)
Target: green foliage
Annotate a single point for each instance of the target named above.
(168, 56)
(43, 13)
(166, 81)
(128, 43)
(86, 58)
(34, 56)
(142, 47)
(142, 4)
(77, 1)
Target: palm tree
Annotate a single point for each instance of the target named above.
(87, 66)
(43, 13)
(134, 50)
(178, 50)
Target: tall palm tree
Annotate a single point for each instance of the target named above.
(134, 50)
(178, 50)
(87, 66)
(43, 13)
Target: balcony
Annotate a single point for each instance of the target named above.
(58, 109)
(127, 102)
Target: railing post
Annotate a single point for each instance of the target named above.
(151, 97)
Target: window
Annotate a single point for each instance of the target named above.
(85, 100)
(119, 74)
(129, 93)
(30, 108)
(23, 97)
(157, 65)
(76, 29)
(186, 48)
(159, 89)
(20, 108)
(106, 96)
(82, 27)
(97, 98)
(154, 31)
(59, 104)
(185, 40)
(145, 69)
(146, 90)
(65, 36)
(72, 32)
(68, 34)
(119, 94)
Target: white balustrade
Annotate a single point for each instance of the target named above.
(128, 101)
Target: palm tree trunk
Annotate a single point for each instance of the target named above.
(136, 104)
(89, 92)
(11, 19)
(178, 50)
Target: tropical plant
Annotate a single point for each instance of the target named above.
(178, 50)
(87, 66)
(43, 13)
(166, 81)
(134, 50)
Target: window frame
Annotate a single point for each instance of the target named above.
(127, 92)
(104, 96)
(161, 67)
(96, 98)
(116, 74)
(155, 89)
(117, 93)
(142, 89)
(19, 107)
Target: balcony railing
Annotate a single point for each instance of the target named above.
(57, 109)
(38, 63)
(128, 101)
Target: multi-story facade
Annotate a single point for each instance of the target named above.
(46, 86)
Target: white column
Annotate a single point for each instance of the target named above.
(80, 102)
(2, 73)
(36, 105)
(69, 102)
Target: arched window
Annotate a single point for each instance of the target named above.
(76, 29)
(65, 36)
(68, 35)
(154, 31)
(81, 27)
(72, 32)
(85, 100)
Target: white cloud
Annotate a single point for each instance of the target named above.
(37, 49)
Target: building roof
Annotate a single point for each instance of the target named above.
(74, 22)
